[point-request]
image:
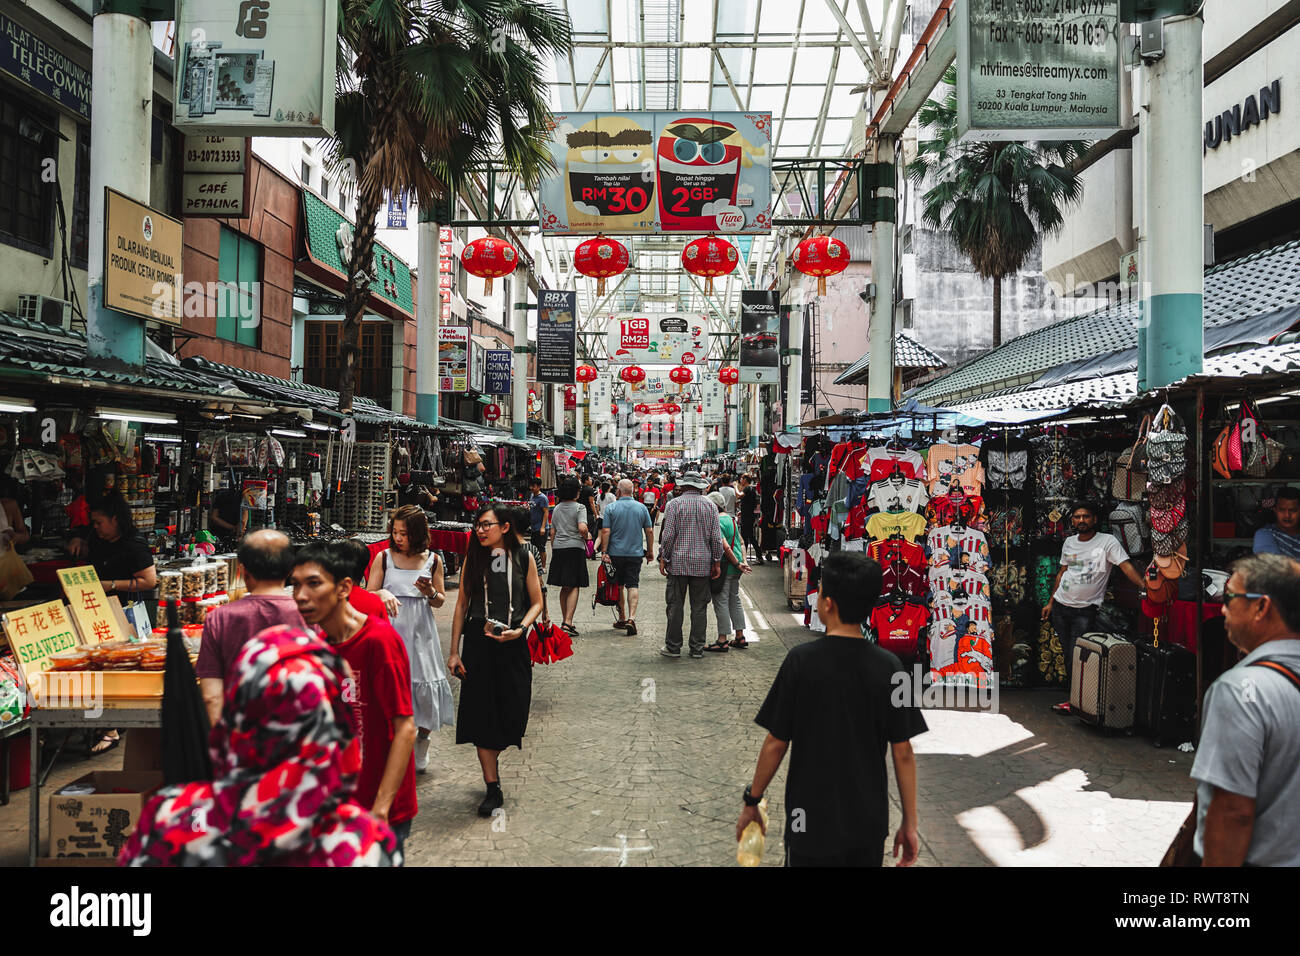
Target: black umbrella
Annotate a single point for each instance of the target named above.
(184, 718)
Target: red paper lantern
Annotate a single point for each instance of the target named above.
(613, 409)
(700, 409)
(728, 375)
(672, 427)
(492, 413)
(672, 408)
(489, 258)
(821, 256)
(586, 373)
(632, 374)
(710, 257)
(600, 259)
(681, 375)
(642, 409)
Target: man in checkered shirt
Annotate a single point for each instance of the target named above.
(690, 552)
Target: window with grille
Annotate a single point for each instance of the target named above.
(26, 202)
(321, 341)
(239, 270)
(80, 251)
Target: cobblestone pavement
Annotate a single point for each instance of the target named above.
(632, 759)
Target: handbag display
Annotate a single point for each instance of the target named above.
(1166, 447)
(1128, 524)
(1165, 520)
(1169, 542)
(1128, 480)
(1167, 496)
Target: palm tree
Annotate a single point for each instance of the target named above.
(996, 199)
(427, 90)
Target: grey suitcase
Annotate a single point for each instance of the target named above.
(1103, 681)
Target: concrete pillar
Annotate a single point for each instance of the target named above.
(121, 111)
(756, 418)
(794, 370)
(428, 310)
(1170, 333)
(578, 417)
(557, 410)
(519, 377)
(880, 334)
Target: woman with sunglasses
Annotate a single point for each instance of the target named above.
(500, 597)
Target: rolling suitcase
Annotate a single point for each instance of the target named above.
(1166, 692)
(795, 573)
(1103, 681)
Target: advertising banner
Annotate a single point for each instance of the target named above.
(641, 339)
(715, 401)
(600, 396)
(256, 67)
(453, 358)
(498, 367)
(682, 172)
(142, 259)
(557, 337)
(656, 384)
(1037, 71)
(760, 337)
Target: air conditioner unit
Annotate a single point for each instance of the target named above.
(43, 309)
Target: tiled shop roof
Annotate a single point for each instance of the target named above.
(1256, 284)
(322, 221)
(908, 353)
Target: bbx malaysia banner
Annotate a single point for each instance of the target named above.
(557, 337)
(760, 336)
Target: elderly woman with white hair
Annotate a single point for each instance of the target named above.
(726, 586)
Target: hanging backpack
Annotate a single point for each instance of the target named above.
(608, 591)
(1128, 524)
(1166, 448)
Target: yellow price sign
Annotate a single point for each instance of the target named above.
(89, 605)
(37, 632)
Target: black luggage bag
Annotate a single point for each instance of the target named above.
(1166, 693)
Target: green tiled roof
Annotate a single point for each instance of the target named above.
(322, 221)
(1253, 285)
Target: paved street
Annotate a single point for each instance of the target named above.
(632, 759)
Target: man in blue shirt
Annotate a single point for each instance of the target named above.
(1283, 536)
(539, 509)
(622, 526)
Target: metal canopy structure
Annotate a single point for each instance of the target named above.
(808, 62)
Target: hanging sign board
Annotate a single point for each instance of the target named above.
(640, 339)
(256, 67)
(214, 176)
(682, 172)
(397, 211)
(453, 358)
(715, 400)
(599, 400)
(760, 337)
(142, 259)
(557, 337)
(498, 369)
(1040, 70)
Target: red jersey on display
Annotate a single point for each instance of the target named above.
(947, 646)
(898, 575)
(881, 462)
(380, 693)
(841, 455)
(945, 509)
(898, 629)
(884, 552)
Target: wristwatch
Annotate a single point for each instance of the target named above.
(749, 798)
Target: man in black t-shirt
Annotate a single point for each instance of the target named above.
(833, 699)
(224, 516)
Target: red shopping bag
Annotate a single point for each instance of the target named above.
(538, 636)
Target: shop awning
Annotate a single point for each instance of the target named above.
(390, 291)
(908, 354)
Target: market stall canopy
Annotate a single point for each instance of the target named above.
(909, 355)
(1247, 301)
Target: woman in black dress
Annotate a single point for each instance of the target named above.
(500, 597)
(748, 508)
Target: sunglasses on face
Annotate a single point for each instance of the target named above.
(1230, 596)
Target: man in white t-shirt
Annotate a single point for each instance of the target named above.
(1086, 561)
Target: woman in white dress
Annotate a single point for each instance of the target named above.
(408, 578)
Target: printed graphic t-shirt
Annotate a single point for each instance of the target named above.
(908, 523)
(898, 629)
(898, 495)
(1087, 569)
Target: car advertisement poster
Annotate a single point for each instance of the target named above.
(638, 339)
(453, 358)
(557, 337)
(760, 337)
(680, 172)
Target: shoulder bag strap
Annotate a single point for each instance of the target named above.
(1280, 668)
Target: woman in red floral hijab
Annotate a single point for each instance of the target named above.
(285, 758)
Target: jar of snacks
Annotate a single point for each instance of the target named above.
(169, 586)
(209, 579)
(193, 581)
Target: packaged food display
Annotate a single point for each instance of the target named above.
(223, 577)
(169, 586)
(153, 655)
(203, 607)
(193, 581)
(210, 579)
(77, 659)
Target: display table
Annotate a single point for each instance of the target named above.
(456, 542)
(120, 715)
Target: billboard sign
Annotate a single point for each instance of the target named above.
(557, 336)
(1038, 71)
(256, 67)
(760, 337)
(656, 339)
(600, 394)
(715, 401)
(679, 172)
(142, 259)
(498, 367)
(453, 358)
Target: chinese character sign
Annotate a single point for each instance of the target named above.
(256, 67)
(37, 632)
(89, 605)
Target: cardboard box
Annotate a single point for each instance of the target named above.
(97, 824)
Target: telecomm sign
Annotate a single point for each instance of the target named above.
(1038, 69)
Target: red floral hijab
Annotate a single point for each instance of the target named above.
(285, 758)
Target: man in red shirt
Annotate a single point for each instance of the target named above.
(379, 688)
(366, 602)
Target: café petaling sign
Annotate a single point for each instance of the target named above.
(214, 179)
(1243, 116)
